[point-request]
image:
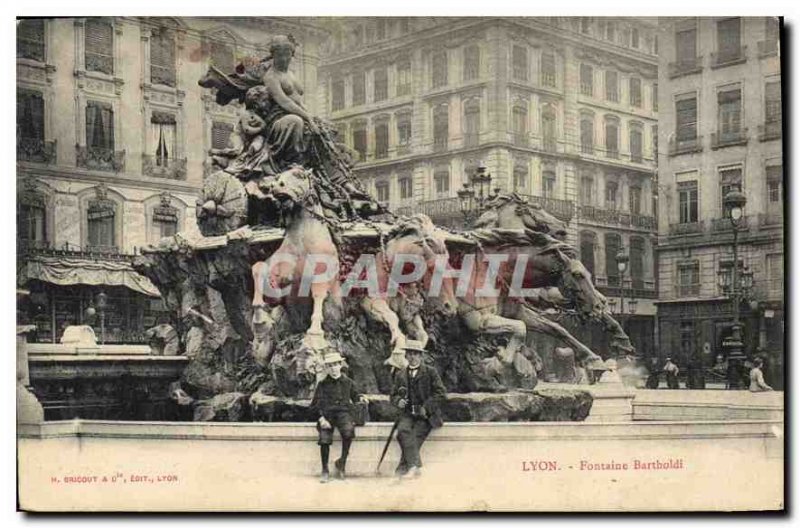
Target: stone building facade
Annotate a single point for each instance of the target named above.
(112, 135)
(720, 129)
(561, 110)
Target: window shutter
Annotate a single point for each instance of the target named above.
(30, 39)
(99, 46)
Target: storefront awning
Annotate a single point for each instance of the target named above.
(70, 271)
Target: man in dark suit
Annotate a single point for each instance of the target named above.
(419, 392)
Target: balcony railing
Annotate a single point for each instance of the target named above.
(721, 225)
(561, 209)
(770, 130)
(171, 169)
(28, 249)
(767, 48)
(729, 57)
(729, 139)
(686, 228)
(685, 146)
(637, 293)
(96, 158)
(39, 150)
(615, 217)
(685, 67)
(612, 153)
(770, 219)
(549, 144)
(403, 149)
(688, 290)
(439, 144)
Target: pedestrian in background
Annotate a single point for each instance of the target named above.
(671, 370)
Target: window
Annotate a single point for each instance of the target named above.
(548, 70)
(549, 129)
(654, 138)
(165, 219)
(439, 69)
(588, 243)
(548, 183)
(472, 122)
(162, 58)
(686, 119)
(99, 44)
(222, 56)
(729, 39)
(635, 85)
(405, 188)
(30, 39)
(689, 278)
(655, 97)
(686, 330)
(635, 137)
(519, 124)
(441, 129)
(686, 46)
(612, 83)
(613, 245)
(360, 140)
(472, 61)
(611, 31)
(635, 200)
(31, 225)
(519, 63)
(359, 88)
(382, 140)
(404, 77)
(101, 215)
(611, 195)
(441, 180)
(99, 126)
(382, 191)
(687, 202)
(634, 38)
(774, 185)
(337, 95)
(587, 82)
(381, 85)
(612, 138)
(730, 112)
(520, 175)
(775, 274)
(637, 263)
(30, 116)
(162, 137)
(220, 132)
(730, 179)
(772, 103)
(587, 134)
(404, 130)
(587, 190)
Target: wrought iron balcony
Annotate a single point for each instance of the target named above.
(770, 130)
(561, 209)
(685, 228)
(549, 80)
(614, 217)
(33, 149)
(171, 169)
(729, 139)
(767, 48)
(770, 219)
(643, 221)
(439, 144)
(685, 146)
(403, 149)
(688, 290)
(549, 144)
(27, 249)
(96, 158)
(612, 153)
(719, 225)
(685, 67)
(729, 57)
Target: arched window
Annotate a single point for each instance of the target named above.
(520, 175)
(472, 61)
(635, 138)
(381, 84)
(441, 127)
(588, 244)
(612, 137)
(548, 69)
(587, 134)
(101, 216)
(613, 244)
(441, 180)
(519, 124)
(439, 69)
(360, 139)
(548, 181)
(587, 80)
(637, 262)
(382, 138)
(549, 129)
(31, 219)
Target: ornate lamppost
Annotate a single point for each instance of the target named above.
(475, 193)
(737, 287)
(102, 303)
(622, 266)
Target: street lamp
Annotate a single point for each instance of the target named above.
(734, 202)
(622, 266)
(101, 300)
(475, 193)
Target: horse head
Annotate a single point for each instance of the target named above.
(418, 236)
(576, 282)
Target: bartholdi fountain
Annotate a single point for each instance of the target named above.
(281, 202)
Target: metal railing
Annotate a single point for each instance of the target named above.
(685, 228)
(615, 217)
(685, 146)
(729, 139)
(167, 168)
(27, 249)
(770, 219)
(97, 158)
(770, 130)
(38, 150)
(561, 209)
(729, 57)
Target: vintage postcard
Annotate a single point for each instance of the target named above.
(400, 264)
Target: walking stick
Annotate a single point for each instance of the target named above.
(402, 392)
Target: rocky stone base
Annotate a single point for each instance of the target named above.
(546, 405)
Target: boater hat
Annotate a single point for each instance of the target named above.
(414, 346)
(333, 357)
